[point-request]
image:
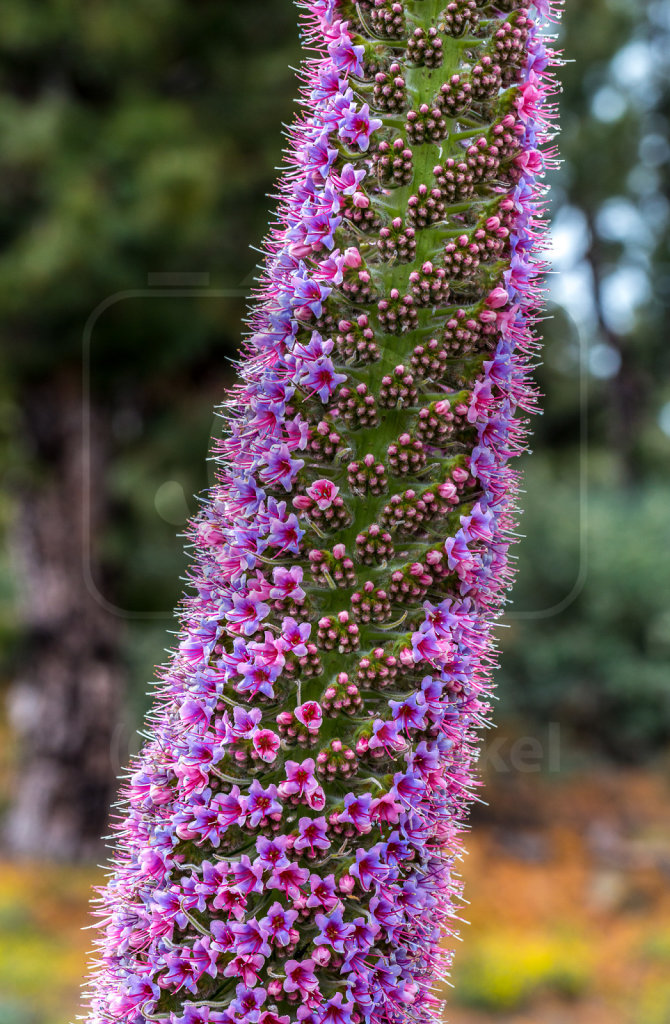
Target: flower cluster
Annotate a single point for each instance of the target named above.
(286, 839)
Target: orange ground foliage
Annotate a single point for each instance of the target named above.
(568, 882)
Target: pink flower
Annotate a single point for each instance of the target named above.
(300, 977)
(323, 493)
(310, 715)
(266, 744)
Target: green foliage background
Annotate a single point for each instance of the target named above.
(141, 139)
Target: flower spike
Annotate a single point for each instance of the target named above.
(286, 838)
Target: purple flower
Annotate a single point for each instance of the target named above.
(369, 868)
(310, 715)
(425, 644)
(272, 852)
(358, 126)
(357, 811)
(345, 56)
(246, 613)
(261, 803)
(278, 923)
(300, 977)
(300, 779)
(294, 635)
(248, 877)
(387, 736)
(287, 584)
(311, 835)
(335, 1011)
(320, 156)
(333, 931)
(323, 893)
(279, 467)
(323, 493)
(285, 535)
(289, 878)
(266, 744)
(248, 1002)
(320, 378)
(251, 937)
(309, 293)
(410, 713)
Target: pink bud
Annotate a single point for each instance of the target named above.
(352, 257)
(497, 298)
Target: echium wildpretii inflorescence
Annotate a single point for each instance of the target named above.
(287, 837)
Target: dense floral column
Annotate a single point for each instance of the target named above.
(287, 838)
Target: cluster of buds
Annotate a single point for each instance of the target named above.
(483, 159)
(377, 669)
(390, 92)
(397, 242)
(374, 546)
(409, 583)
(357, 285)
(336, 760)
(368, 476)
(426, 206)
(455, 96)
(430, 285)
(485, 79)
(332, 568)
(324, 441)
(407, 455)
(397, 314)
(338, 633)
(455, 179)
(397, 389)
(461, 257)
(460, 16)
(435, 423)
(387, 17)
(355, 340)
(509, 42)
(342, 697)
(371, 604)
(394, 162)
(357, 407)
(425, 48)
(425, 124)
(465, 333)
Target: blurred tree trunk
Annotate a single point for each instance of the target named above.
(64, 703)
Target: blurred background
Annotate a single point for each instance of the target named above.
(139, 145)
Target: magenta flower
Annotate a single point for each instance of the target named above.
(300, 977)
(358, 126)
(310, 715)
(278, 923)
(333, 931)
(312, 835)
(286, 838)
(266, 744)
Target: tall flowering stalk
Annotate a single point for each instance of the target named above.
(287, 838)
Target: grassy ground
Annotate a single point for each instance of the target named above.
(569, 911)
